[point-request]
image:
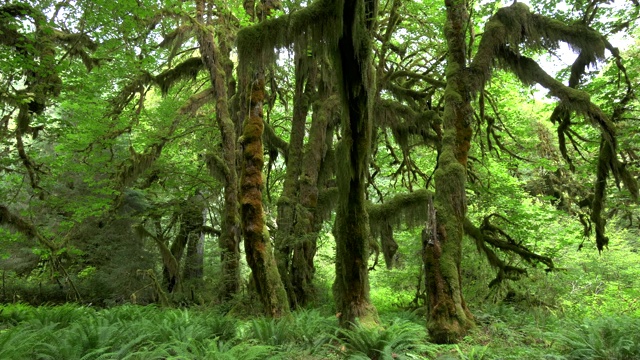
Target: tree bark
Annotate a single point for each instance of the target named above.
(448, 318)
(351, 230)
(288, 208)
(257, 242)
(309, 222)
(194, 261)
(229, 240)
(389, 246)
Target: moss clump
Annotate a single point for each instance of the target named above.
(257, 43)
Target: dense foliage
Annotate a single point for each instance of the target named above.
(256, 158)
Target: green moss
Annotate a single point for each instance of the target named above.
(257, 42)
(408, 209)
(514, 26)
(187, 69)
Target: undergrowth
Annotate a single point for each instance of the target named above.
(503, 331)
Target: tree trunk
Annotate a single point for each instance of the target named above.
(288, 212)
(229, 240)
(351, 229)
(389, 246)
(256, 236)
(448, 318)
(194, 262)
(171, 273)
(309, 222)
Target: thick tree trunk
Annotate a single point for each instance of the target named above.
(389, 246)
(351, 230)
(229, 240)
(448, 317)
(308, 221)
(171, 270)
(191, 222)
(288, 212)
(256, 236)
(194, 262)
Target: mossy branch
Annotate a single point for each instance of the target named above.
(405, 121)
(256, 43)
(409, 209)
(16, 222)
(575, 100)
(187, 69)
(274, 142)
(489, 234)
(413, 75)
(196, 101)
(217, 167)
(513, 26)
(404, 93)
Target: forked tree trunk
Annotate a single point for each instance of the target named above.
(257, 243)
(448, 318)
(351, 230)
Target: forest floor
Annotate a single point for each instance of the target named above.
(504, 331)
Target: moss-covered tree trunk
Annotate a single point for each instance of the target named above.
(171, 267)
(257, 243)
(191, 224)
(351, 229)
(229, 240)
(389, 245)
(288, 213)
(309, 221)
(448, 317)
(194, 261)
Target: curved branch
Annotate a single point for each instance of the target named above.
(489, 234)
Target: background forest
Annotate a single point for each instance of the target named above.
(339, 178)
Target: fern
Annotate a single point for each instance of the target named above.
(17, 343)
(271, 331)
(395, 342)
(13, 314)
(220, 350)
(221, 327)
(604, 338)
(475, 353)
(177, 325)
(312, 329)
(58, 316)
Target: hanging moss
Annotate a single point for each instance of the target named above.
(187, 69)
(137, 164)
(515, 25)
(403, 209)
(256, 43)
(217, 167)
(404, 121)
